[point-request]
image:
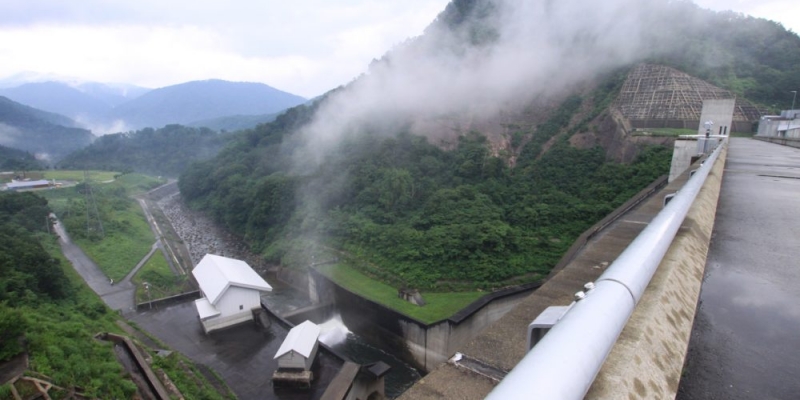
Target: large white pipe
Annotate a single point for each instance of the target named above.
(564, 363)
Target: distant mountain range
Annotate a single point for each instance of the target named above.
(47, 135)
(200, 100)
(108, 108)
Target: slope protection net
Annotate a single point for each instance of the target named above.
(656, 92)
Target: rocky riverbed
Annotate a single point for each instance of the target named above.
(202, 236)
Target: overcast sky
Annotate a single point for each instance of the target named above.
(306, 47)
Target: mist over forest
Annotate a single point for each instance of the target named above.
(448, 164)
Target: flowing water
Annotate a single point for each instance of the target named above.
(343, 340)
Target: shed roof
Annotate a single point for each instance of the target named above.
(300, 339)
(215, 274)
(205, 310)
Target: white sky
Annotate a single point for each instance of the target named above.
(306, 47)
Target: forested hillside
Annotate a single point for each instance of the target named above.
(166, 151)
(427, 217)
(18, 160)
(47, 135)
(448, 165)
(48, 313)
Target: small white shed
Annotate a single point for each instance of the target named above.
(299, 348)
(230, 288)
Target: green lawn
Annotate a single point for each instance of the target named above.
(664, 132)
(124, 245)
(440, 305)
(94, 176)
(163, 283)
(127, 235)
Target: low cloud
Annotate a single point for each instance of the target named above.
(9, 135)
(100, 128)
(509, 54)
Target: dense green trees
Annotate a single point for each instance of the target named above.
(166, 151)
(18, 160)
(27, 272)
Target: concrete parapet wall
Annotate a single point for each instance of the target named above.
(791, 142)
(647, 361)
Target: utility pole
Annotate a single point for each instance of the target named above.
(91, 209)
(793, 98)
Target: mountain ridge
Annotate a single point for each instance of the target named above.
(110, 108)
(26, 128)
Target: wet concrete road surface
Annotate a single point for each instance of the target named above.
(746, 338)
(241, 355)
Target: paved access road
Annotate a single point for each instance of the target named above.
(746, 338)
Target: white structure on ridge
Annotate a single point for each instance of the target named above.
(231, 290)
(786, 125)
(299, 348)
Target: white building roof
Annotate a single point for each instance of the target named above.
(204, 309)
(301, 339)
(215, 274)
(24, 184)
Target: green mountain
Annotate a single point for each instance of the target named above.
(455, 161)
(16, 160)
(166, 151)
(58, 97)
(232, 123)
(48, 136)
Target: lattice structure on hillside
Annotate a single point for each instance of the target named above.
(659, 96)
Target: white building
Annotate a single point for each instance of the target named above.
(299, 348)
(230, 288)
(786, 125)
(24, 185)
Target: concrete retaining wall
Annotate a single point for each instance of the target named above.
(433, 344)
(428, 345)
(648, 358)
(736, 126)
(147, 305)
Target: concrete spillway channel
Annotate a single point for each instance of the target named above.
(134, 362)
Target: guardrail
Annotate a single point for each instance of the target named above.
(565, 362)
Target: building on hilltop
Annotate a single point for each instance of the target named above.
(231, 290)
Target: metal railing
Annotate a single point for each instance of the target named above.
(566, 361)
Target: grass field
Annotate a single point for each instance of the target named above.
(94, 176)
(127, 237)
(162, 282)
(126, 242)
(440, 305)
